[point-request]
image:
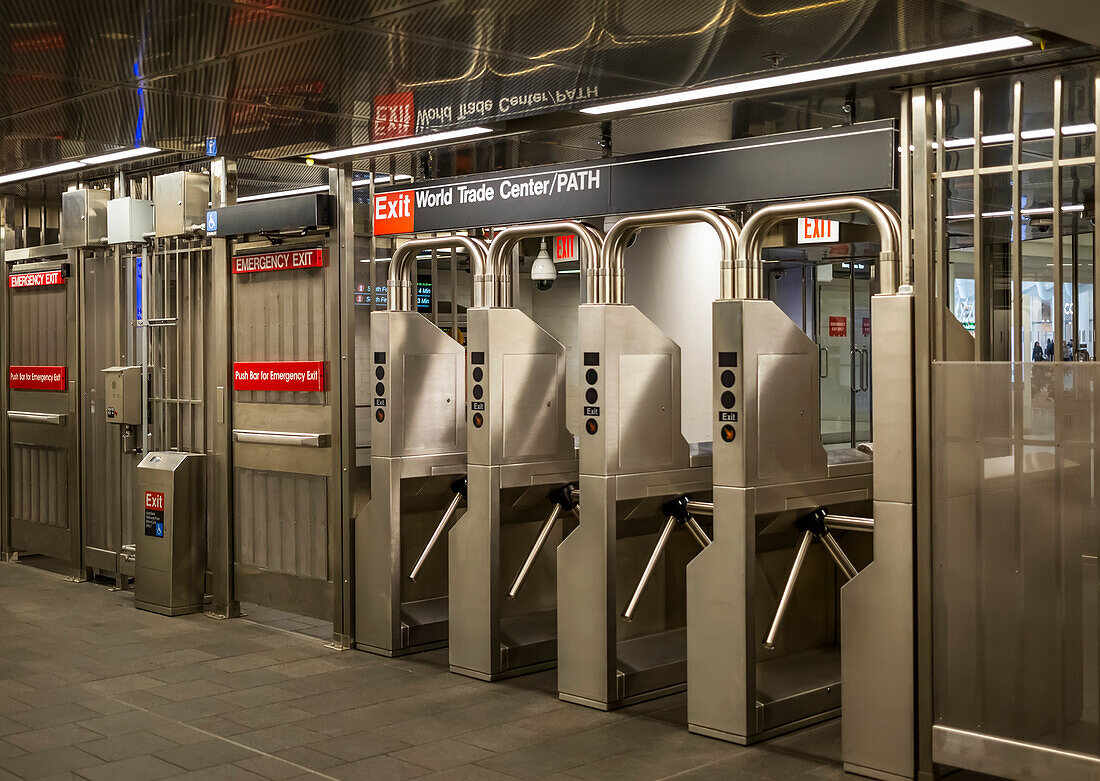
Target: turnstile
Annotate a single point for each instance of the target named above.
(764, 645)
(521, 466)
(635, 470)
(418, 449)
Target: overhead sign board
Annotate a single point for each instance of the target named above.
(299, 376)
(45, 378)
(279, 261)
(37, 278)
(857, 158)
(812, 230)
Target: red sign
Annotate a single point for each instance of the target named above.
(838, 326)
(866, 326)
(393, 116)
(279, 261)
(565, 247)
(393, 213)
(36, 279)
(50, 378)
(279, 376)
(154, 500)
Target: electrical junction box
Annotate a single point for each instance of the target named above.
(128, 220)
(170, 569)
(122, 395)
(180, 200)
(84, 218)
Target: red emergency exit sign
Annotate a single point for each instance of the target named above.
(299, 376)
(279, 261)
(816, 231)
(47, 378)
(565, 247)
(838, 326)
(36, 279)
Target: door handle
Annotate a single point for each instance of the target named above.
(50, 418)
(285, 438)
(822, 361)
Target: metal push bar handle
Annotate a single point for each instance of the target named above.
(403, 266)
(498, 281)
(609, 272)
(750, 254)
(50, 418)
(281, 438)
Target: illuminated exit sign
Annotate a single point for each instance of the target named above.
(815, 231)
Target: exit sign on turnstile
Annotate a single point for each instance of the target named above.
(812, 230)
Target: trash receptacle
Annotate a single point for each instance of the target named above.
(171, 538)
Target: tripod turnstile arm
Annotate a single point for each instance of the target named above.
(459, 487)
(697, 531)
(788, 589)
(842, 561)
(658, 549)
(540, 541)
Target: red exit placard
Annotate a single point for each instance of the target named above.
(838, 326)
(279, 261)
(36, 279)
(50, 378)
(299, 376)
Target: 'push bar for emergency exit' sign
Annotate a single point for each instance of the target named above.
(279, 261)
(47, 378)
(301, 376)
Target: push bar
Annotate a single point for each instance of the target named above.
(749, 280)
(609, 272)
(459, 488)
(677, 511)
(281, 438)
(563, 499)
(498, 280)
(403, 264)
(51, 418)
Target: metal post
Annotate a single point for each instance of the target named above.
(1018, 351)
(788, 588)
(982, 321)
(1057, 320)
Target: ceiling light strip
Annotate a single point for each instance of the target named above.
(878, 65)
(403, 143)
(320, 188)
(121, 154)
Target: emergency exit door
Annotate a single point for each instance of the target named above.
(42, 333)
(286, 465)
(843, 309)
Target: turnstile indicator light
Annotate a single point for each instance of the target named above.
(728, 399)
(728, 433)
(379, 357)
(727, 359)
(591, 376)
(380, 415)
(478, 420)
(591, 359)
(591, 395)
(478, 391)
(478, 373)
(591, 426)
(380, 372)
(477, 358)
(728, 379)
(380, 389)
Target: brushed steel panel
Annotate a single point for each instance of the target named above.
(282, 522)
(531, 404)
(430, 399)
(646, 425)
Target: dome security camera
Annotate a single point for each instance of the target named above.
(543, 270)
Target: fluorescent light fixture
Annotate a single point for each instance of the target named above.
(402, 143)
(1027, 135)
(381, 179)
(1073, 207)
(796, 78)
(320, 188)
(121, 154)
(46, 170)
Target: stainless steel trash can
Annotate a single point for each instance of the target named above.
(171, 538)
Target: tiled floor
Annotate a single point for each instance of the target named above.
(91, 688)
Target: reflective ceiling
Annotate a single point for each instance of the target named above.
(278, 79)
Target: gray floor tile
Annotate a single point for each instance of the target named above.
(51, 737)
(377, 767)
(143, 768)
(442, 754)
(132, 744)
(47, 763)
(196, 756)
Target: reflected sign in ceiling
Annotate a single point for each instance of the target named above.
(858, 158)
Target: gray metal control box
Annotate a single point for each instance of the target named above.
(84, 218)
(128, 220)
(169, 574)
(180, 200)
(122, 395)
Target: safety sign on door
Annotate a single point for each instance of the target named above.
(838, 326)
(299, 376)
(49, 378)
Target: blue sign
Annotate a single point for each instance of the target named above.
(137, 288)
(211, 146)
(160, 530)
(212, 221)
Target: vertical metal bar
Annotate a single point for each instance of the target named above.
(435, 298)
(6, 241)
(1095, 222)
(1058, 319)
(906, 183)
(941, 260)
(982, 315)
(454, 292)
(1017, 229)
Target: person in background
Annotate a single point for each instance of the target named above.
(1049, 350)
(1037, 352)
(1067, 352)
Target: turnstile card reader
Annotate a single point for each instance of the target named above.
(520, 453)
(171, 537)
(418, 447)
(633, 459)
